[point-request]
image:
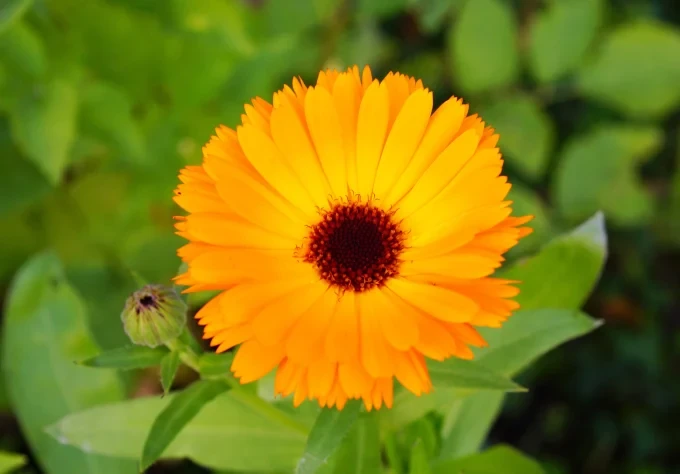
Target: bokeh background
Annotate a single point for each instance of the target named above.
(103, 101)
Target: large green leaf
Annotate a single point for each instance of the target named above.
(599, 171)
(174, 417)
(637, 70)
(44, 126)
(529, 334)
(527, 134)
(360, 451)
(501, 459)
(565, 271)
(465, 374)
(453, 379)
(561, 35)
(561, 275)
(467, 422)
(11, 11)
(482, 46)
(327, 434)
(226, 434)
(45, 332)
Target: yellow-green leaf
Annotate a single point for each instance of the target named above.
(228, 433)
(482, 46)
(44, 126)
(526, 133)
(561, 35)
(598, 171)
(11, 11)
(636, 70)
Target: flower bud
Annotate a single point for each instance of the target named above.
(154, 315)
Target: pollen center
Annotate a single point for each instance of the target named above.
(355, 246)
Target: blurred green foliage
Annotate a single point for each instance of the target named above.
(102, 101)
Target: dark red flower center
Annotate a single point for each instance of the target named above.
(355, 246)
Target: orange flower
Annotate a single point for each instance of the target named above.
(353, 233)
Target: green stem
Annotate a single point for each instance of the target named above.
(186, 354)
(191, 359)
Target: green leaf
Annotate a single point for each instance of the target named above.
(561, 35)
(128, 357)
(105, 30)
(215, 365)
(327, 434)
(466, 374)
(453, 378)
(44, 126)
(107, 111)
(529, 334)
(11, 461)
(11, 11)
(648, 90)
(432, 14)
(360, 451)
(526, 131)
(467, 422)
(499, 459)
(199, 53)
(44, 332)
(21, 49)
(227, 434)
(292, 18)
(482, 46)
(174, 417)
(565, 271)
(598, 171)
(561, 275)
(419, 463)
(169, 366)
(23, 184)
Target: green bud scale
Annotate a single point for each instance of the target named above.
(154, 315)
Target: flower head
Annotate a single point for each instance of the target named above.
(154, 315)
(353, 233)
